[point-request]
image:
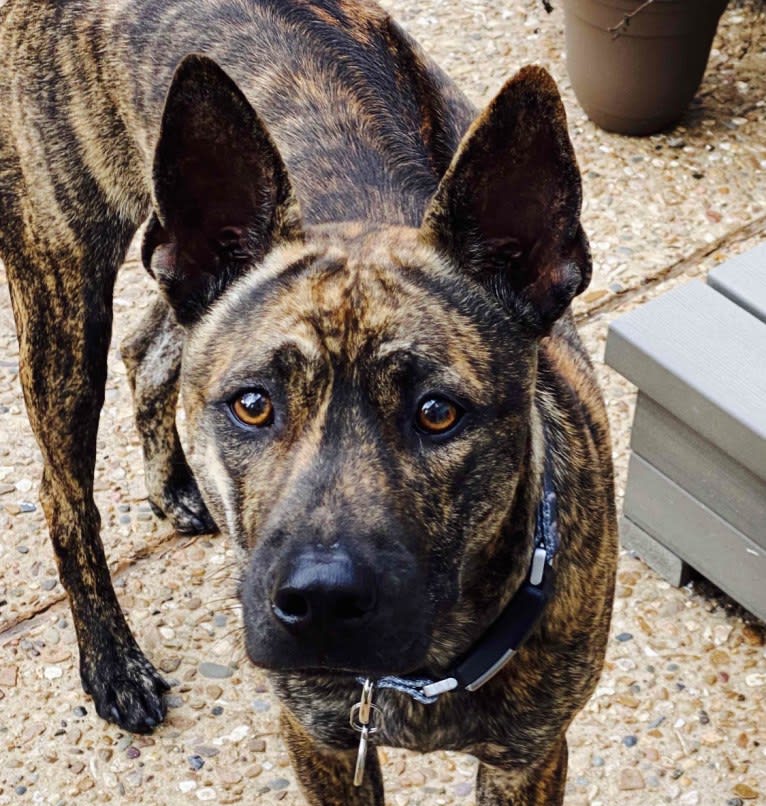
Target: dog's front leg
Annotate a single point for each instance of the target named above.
(152, 356)
(62, 301)
(542, 785)
(325, 774)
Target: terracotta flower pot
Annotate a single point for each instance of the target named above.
(641, 81)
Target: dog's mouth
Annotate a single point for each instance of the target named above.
(367, 653)
(363, 671)
(329, 666)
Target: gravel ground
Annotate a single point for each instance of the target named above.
(680, 712)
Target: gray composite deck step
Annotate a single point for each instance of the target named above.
(743, 280)
(699, 467)
(667, 513)
(702, 358)
(654, 553)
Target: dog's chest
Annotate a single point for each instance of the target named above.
(425, 728)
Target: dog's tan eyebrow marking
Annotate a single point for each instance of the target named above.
(261, 362)
(465, 383)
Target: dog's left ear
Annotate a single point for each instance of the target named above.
(222, 197)
(508, 209)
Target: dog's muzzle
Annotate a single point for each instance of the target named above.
(329, 607)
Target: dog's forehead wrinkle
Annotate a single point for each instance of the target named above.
(356, 295)
(366, 320)
(385, 334)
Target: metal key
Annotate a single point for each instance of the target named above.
(361, 720)
(361, 757)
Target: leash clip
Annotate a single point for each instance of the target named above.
(361, 719)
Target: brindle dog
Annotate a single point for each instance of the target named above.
(365, 303)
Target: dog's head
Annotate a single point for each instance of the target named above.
(360, 397)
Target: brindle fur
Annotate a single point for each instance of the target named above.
(371, 252)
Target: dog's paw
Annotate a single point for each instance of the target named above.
(181, 503)
(126, 689)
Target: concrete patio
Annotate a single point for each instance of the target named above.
(680, 714)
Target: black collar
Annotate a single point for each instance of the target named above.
(512, 627)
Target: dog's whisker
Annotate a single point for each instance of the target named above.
(224, 569)
(234, 631)
(232, 600)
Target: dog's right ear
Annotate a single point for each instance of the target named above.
(222, 197)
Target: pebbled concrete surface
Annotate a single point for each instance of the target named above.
(680, 713)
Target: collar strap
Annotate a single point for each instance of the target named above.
(512, 627)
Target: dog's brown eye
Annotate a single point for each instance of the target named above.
(437, 415)
(253, 408)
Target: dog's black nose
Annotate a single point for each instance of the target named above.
(321, 591)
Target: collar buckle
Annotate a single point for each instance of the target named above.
(536, 572)
(439, 687)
